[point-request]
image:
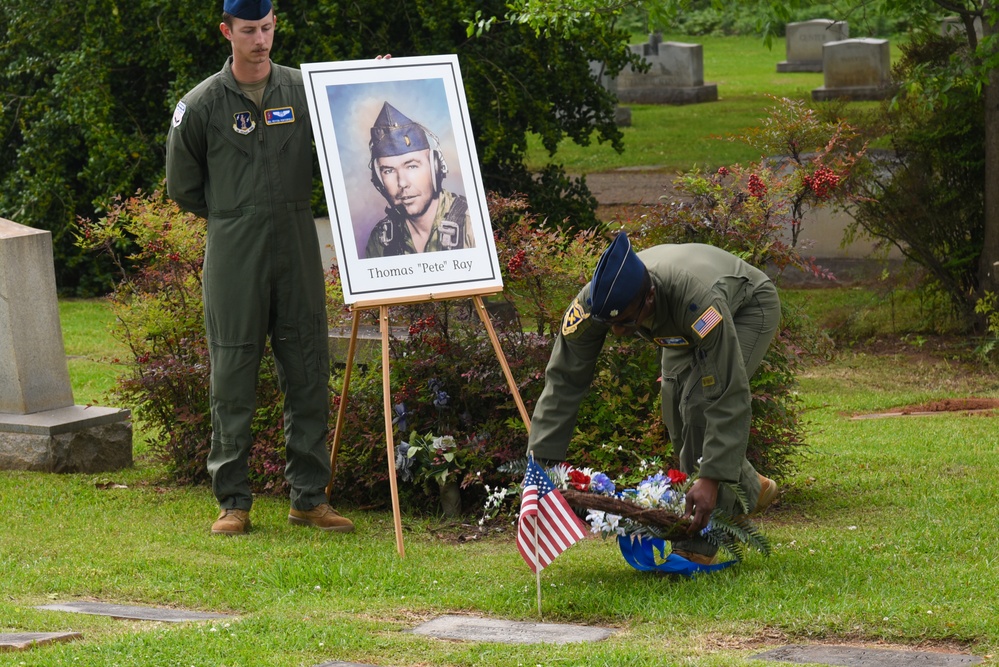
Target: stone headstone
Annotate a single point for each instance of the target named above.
(40, 427)
(134, 613)
(33, 371)
(954, 24)
(340, 663)
(804, 40)
(676, 75)
(470, 628)
(22, 641)
(855, 69)
(852, 656)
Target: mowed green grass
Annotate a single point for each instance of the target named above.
(881, 537)
(679, 138)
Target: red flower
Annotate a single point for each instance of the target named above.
(676, 477)
(579, 481)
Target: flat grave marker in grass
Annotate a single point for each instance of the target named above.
(854, 656)
(470, 628)
(22, 641)
(133, 613)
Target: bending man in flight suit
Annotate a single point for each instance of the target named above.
(712, 316)
(239, 153)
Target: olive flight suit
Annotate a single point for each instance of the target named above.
(452, 230)
(714, 318)
(248, 170)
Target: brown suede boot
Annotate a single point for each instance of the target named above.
(700, 559)
(232, 522)
(768, 494)
(322, 517)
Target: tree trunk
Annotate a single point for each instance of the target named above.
(988, 267)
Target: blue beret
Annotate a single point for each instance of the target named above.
(394, 134)
(248, 10)
(618, 278)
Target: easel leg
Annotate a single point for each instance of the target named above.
(351, 348)
(480, 307)
(383, 321)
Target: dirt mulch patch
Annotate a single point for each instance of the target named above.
(965, 405)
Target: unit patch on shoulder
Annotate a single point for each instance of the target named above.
(279, 116)
(708, 320)
(573, 318)
(178, 113)
(672, 341)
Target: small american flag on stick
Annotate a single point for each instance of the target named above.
(547, 525)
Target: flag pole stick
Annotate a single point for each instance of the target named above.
(537, 565)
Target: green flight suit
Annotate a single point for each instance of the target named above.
(249, 172)
(706, 400)
(452, 230)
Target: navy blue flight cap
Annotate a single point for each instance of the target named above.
(395, 134)
(618, 278)
(248, 10)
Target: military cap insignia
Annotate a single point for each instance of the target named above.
(573, 317)
(708, 320)
(671, 341)
(244, 122)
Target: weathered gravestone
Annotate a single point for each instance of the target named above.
(854, 69)
(954, 24)
(804, 40)
(855, 656)
(134, 612)
(470, 628)
(676, 75)
(22, 641)
(40, 427)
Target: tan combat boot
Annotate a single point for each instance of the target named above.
(768, 494)
(232, 522)
(322, 517)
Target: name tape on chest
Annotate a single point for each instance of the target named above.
(279, 116)
(708, 320)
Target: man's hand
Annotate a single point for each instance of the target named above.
(701, 500)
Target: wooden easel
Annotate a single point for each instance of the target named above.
(383, 322)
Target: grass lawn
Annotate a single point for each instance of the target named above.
(677, 138)
(882, 536)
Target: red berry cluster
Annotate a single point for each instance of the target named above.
(821, 181)
(757, 187)
(723, 171)
(422, 325)
(516, 262)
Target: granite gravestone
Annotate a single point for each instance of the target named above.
(22, 641)
(954, 24)
(676, 75)
(133, 612)
(854, 69)
(470, 628)
(40, 427)
(804, 40)
(854, 656)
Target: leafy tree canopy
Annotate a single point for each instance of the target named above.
(88, 89)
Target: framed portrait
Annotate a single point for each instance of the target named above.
(401, 178)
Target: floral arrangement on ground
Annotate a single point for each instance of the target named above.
(652, 508)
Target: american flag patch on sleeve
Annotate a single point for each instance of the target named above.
(708, 320)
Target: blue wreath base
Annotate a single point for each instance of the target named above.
(645, 554)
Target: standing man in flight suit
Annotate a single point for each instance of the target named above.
(712, 316)
(239, 153)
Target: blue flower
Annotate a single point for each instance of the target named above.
(601, 483)
(403, 462)
(399, 419)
